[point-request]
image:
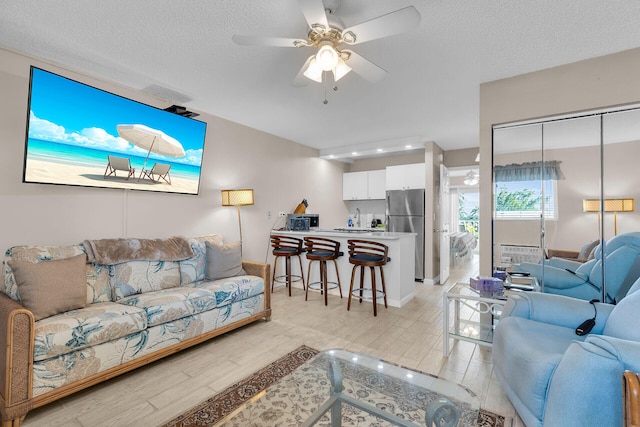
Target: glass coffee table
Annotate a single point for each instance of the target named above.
(340, 388)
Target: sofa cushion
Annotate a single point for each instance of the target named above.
(98, 289)
(223, 261)
(170, 304)
(588, 251)
(136, 277)
(85, 327)
(193, 269)
(51, 287)
(233, 289)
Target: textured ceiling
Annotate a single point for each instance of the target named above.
(183, 50)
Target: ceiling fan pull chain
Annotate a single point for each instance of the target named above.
(324, 86)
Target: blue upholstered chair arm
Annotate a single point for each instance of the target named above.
(556, 310)
(563, 263)
(560, 277)
(626, 351)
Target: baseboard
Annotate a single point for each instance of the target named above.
(434, 281)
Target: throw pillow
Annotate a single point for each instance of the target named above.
(47, 288)
(223, 261)
(587, 251)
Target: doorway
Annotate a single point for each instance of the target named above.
(464, 212)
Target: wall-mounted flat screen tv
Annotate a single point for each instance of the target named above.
(84, 136)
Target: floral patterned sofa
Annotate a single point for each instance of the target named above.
(74, 316)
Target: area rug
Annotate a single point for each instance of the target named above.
(215, 409)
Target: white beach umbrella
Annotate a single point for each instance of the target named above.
(152, 140)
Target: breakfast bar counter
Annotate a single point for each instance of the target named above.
(398, 273)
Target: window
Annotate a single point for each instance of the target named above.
(524, 199)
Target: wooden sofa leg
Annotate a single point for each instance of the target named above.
(13, 423)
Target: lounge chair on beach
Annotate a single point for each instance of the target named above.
(118, 164)
(157, 172)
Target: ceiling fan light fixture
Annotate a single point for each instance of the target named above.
(327, 57)
(471, 178)
(313, 71)
(341, 70)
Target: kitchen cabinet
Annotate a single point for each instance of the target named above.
(406, 177)
(377, 184)
(366, 185)
(354, 186)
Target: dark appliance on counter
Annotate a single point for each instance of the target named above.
(405, 213)
(302, 222)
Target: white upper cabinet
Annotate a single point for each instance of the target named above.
(354, 186)
(367, 185)
(377, 184)
(406, 177)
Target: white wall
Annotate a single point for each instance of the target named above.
(281, 173)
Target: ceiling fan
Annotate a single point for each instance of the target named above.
(328, 35)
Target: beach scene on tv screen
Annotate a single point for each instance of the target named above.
(81, 135)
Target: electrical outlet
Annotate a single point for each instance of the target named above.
(282, 214)
(268, 214)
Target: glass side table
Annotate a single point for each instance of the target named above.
(473, 317)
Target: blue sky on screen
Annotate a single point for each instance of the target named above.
(65, 111)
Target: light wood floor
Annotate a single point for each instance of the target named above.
(410, 336)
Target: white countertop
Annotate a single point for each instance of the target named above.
(355, 233)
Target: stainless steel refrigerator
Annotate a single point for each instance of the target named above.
(405, 213)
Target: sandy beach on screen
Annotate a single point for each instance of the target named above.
(59, 173)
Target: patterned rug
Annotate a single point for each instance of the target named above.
(215, 409)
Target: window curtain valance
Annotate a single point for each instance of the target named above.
(530, 171)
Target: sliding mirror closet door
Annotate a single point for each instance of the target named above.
(544, 173)
(621, 188)
(572, 153)
(621, 180)
(518, 190)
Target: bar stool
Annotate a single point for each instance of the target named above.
(365, 253)
(322, 250)
(286, 246)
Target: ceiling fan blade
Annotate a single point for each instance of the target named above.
(313, 11)
(365, 68)
(300, 79)
(397, 22)
(267, 41)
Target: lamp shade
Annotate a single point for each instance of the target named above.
(341, 70)
(327, 57)
(313, 71)
(237, 197)
(610, 205)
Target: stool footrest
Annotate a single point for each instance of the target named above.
(317, 286)
(356, 293)
(283, 278)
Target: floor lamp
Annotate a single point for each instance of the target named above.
(237, 198)
(610, 205)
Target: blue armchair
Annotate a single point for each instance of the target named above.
(584, 280)
(554, 377)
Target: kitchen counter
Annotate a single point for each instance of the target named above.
(398, 273)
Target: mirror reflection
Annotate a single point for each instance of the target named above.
(561, 186)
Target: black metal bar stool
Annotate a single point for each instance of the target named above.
(365, 253)
(287, 246)
(322, 250)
